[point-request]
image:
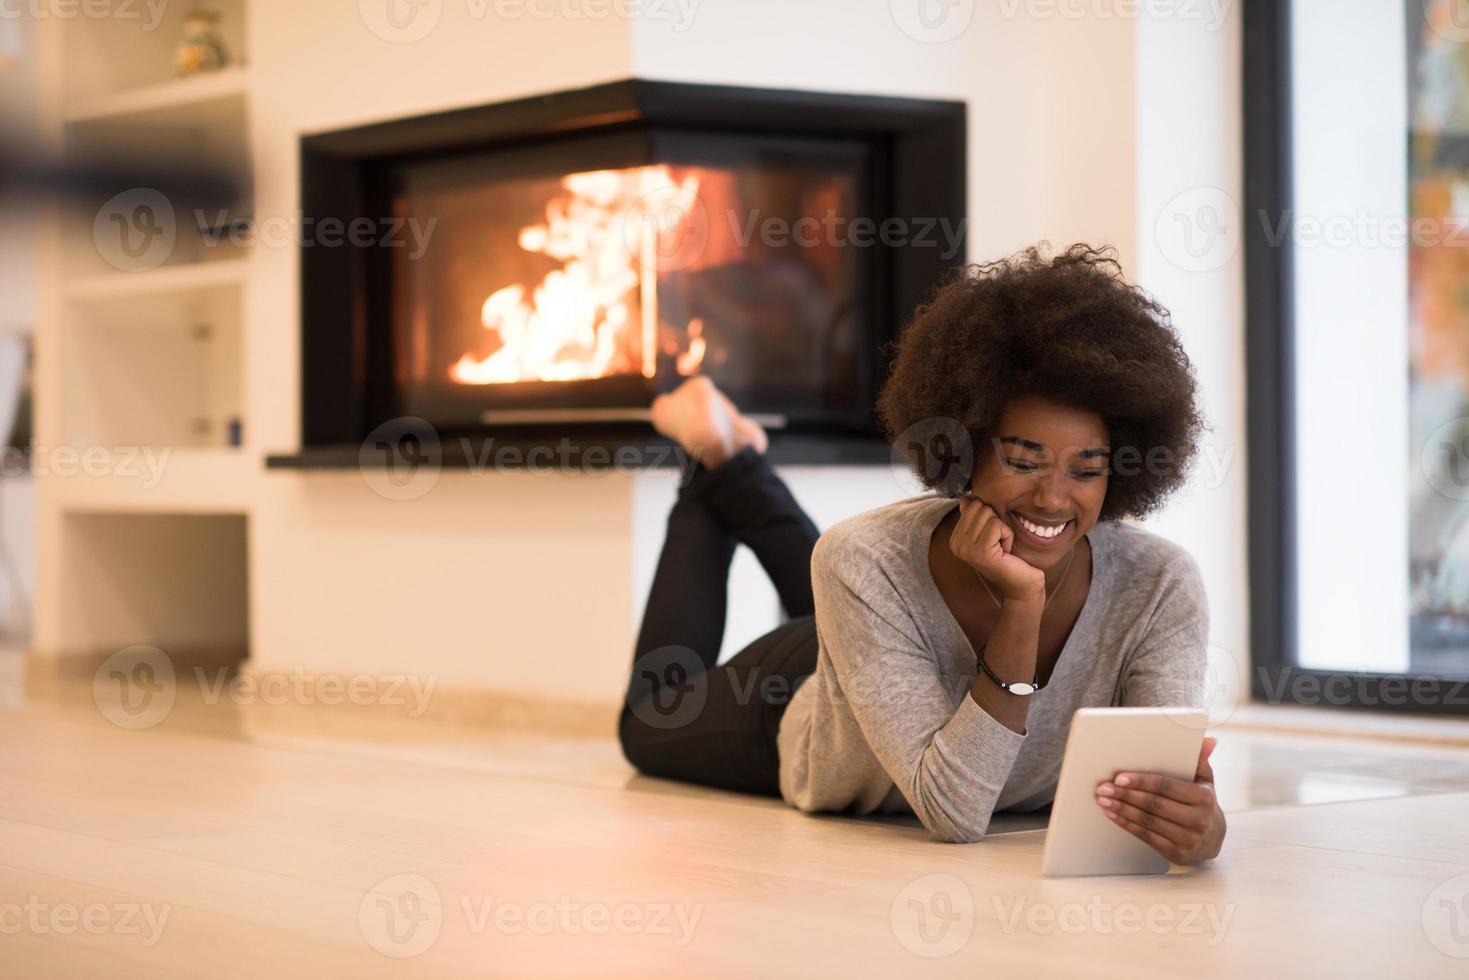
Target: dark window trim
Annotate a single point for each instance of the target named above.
(1270, 416)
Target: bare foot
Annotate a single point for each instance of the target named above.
(695, 416)
(699, 417)
(747, 431)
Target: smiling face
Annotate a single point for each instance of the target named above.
(1044, 471)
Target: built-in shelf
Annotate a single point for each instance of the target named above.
(146, 499)
(161, 480)
(183, 102)
(193, 277)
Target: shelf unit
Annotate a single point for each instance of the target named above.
(144, 466)
(182, 101)
(170, 281)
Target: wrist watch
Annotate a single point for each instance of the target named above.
(1019, 687)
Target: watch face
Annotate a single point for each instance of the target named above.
(1022, 688)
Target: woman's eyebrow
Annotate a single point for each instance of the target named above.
(1039, 448)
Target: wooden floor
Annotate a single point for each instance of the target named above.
(234, 843)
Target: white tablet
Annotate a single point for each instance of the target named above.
(1103, 742)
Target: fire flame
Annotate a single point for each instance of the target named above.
(688, 362)
(580, 321)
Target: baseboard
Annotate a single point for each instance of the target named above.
(477, 707)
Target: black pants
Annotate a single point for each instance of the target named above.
(685, 718)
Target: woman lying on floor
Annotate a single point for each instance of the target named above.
(937, 647)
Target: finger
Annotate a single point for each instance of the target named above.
(971, 525)
(1148, 809)
(1007, 535)
(992, 535)
(984, 520)
(971, 513)
(1183, 814)
(1185, 839)
(1181, 790)
(1152, 838)
(1205, 771)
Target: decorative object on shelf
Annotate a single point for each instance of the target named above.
(236, 433)
(201, 49)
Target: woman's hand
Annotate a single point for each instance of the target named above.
(983, 542)
(1180, 820)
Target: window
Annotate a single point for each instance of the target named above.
(1357, 253)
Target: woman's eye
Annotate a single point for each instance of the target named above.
(1020, 466)
(1088, 474)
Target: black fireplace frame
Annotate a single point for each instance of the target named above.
(347, 386)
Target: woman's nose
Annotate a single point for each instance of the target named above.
(1047, 495)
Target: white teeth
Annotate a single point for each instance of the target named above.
(1040, 530)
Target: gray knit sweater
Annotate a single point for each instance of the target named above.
(886, 724)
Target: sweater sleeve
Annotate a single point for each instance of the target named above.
(950, 764)
(1167, 669)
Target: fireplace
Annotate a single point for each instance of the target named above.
(576, 254)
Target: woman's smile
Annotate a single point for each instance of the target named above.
(1042, 534)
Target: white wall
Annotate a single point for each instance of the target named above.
(1050, 118)
(1189, 178)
